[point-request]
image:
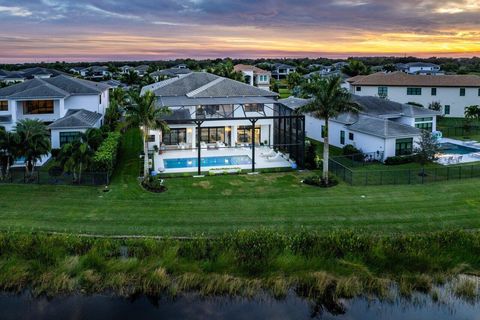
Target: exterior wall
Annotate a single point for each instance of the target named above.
(55, 136)
(446, 96)
(88, 102)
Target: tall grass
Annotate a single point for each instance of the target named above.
(318, 266)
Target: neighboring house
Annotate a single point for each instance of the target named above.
(382, 128)
(200, 95)
(255, 76)
(141, 70)
(422, 68)
(113, 84)
(169, 73)
(340, 65)
(76, 70)
(29, 73)
(95, 72)
(53, 101)
(281, 70)
(9, 77)
(453, 92)
(125, 69)
(181, 66)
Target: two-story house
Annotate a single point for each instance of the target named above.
(68, 105)
(453, 92)
(424, 68)
(255, 76)
(281, 70)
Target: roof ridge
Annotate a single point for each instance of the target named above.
(157, 85)
(54, 87)
(210, 84)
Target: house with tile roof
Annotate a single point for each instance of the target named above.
(382, 128)
(453, 92)
(255, 76)
(56, 101)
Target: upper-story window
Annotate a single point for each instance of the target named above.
(414, 91)
(38, 107)
(100, 99)
(358, 89)
(262, 78)
(462, 92)
(382, 91)
(434, 91)
(253, 107)
(3, 105)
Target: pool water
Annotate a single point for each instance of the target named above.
(451, 148)
(207, 162)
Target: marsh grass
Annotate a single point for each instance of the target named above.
(322, 267)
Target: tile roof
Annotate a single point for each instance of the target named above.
(245, 67)
(401, 79)
(77, 118)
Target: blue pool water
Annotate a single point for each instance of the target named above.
(451, 148)
(206, 162)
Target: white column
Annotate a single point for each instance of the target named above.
(234, 136)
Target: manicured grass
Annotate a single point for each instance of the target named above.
(454, 128)
(215, 205)
(284, 93)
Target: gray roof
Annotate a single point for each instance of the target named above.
(77, 118)
(185, 101)
(294, 102)
(382, 127)
(205, 85)
(384, 108)
(173, 72)
(283, 66)
(58, 87)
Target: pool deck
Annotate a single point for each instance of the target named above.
(260, 162)
(451, 159)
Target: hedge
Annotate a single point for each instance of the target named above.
(105, 157)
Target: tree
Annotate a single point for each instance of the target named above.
(427, 148)
(355, 68)
(389, 67)
(472, 112)
(435, 106)
(226, 70)
(131, 78)
(8, 151)
(294, 79)
(142, 112)
(33, 142)
(329, 100)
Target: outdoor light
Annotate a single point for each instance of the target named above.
(189, 130)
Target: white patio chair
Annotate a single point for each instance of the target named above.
(276, 158)
(270, 153)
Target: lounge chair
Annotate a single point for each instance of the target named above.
(278, 157)
(475, 155)
(219, 144)
(270, 153)
(203, 145)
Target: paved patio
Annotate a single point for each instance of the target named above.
(451, 159)
(261, 161)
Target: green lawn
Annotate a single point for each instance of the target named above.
(215, 205)
(284, 93)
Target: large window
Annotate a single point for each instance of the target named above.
(447, 109)
(69, 137)
(253, 107)
(404, 147)
(215, 134)
(175, 136)
(434, 91)
(382, 91)
(462, 92)
(414, 91)
(3, 105)
(38, 107)
(342, 137)
(244, 134)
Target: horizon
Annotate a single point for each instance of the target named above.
(35, 31)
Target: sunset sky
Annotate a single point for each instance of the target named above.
(93, 30)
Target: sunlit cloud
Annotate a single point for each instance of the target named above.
(15, 11)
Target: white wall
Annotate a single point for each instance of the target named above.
(446, 96)
(88, 102)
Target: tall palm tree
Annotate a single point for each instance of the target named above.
(355, 68)
(131, 78)
(328, 100)
(8, 151)
(34, 142)
(142, 112)
(75, 157)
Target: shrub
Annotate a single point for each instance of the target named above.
(105, 157)
(392, 161)
(154, 184)
(318, 181)
(310, 155)
(349, 150)
(55, 152)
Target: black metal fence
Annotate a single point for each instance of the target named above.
(459, 131)
(419, 175)
(43, 177)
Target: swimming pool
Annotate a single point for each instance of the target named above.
(206, 162)
(452, 148)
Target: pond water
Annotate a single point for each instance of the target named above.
(194, 307)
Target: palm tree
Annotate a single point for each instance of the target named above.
(8, 151)
(143, 112)
(131, 78)
(33, 141)
(119, 96)
(227, 70)
(328, 100)
(472, 112)
(355, 68)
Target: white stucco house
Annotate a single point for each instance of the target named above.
(255, 76)
(382, 127)
(222, 122)
(453, 92)
(67, 105)
(281, 70)
(423, 68)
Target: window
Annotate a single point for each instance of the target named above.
(38, 107)
(3, 105)
(403, 147)
(479, 92)
(244, 134)
(175, 136)
(253, 107)
(262, 78)
(382, 91)
(100, 99)
(428, 126)
(447, 109)
(350, 136)
(323, 132)
(69, 137)
(151, 138)
(434, 91)
(462, 92)
(342, 137)
(414, 91)
(358, 89)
